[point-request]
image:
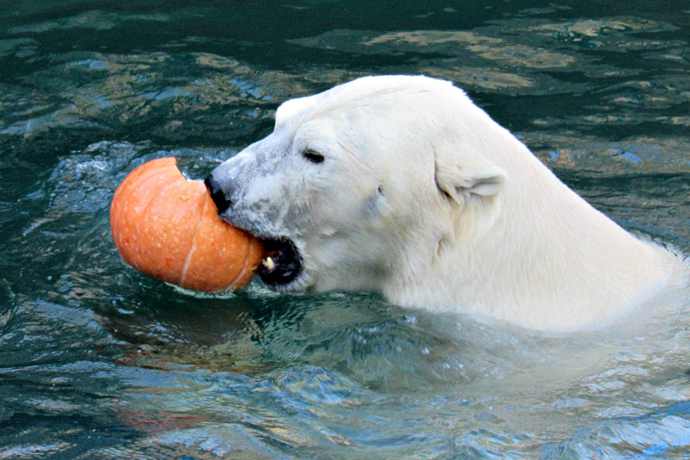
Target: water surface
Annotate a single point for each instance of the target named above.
(97, 361)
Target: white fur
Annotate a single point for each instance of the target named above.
(424, 198)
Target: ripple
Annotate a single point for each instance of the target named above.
(658, 434)
(94, 19)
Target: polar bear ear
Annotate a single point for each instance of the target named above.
(292, 107)
(461, 178)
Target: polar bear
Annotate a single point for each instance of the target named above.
(401, 185)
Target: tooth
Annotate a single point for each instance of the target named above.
(268, 263)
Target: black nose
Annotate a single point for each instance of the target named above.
(217, 193)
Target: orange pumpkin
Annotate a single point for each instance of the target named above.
(168, 227)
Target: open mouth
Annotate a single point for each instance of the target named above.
(282, 263)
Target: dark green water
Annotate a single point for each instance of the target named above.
(97, 361)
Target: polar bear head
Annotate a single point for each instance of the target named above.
(361, 184)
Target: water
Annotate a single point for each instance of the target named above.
(97, 361)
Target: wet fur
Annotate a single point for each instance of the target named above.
(424, 198)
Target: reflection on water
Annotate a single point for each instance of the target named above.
(97, 361)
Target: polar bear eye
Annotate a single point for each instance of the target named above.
(313, 156)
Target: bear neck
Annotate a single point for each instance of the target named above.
(546, 260)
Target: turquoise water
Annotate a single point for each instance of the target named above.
(97, 361)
